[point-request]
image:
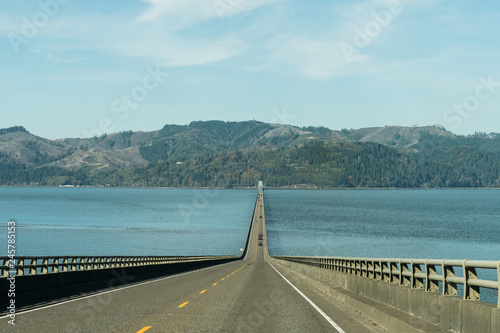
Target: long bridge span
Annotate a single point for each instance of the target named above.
(251, 293)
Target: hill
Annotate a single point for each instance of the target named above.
(217, 153)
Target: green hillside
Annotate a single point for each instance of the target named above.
(239, 154)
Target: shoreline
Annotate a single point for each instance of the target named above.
(292, 187)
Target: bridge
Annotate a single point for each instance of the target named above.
(251, 293)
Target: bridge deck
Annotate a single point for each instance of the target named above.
(247, 295)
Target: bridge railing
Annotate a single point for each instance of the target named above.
(26, 265)
(433, 275)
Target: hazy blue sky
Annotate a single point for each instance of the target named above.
(79, 68)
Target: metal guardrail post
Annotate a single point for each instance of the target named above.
(65, 264)
(431, 283)
(88, 264)
(363, 268)
(100, 262)
(377, 270)
(55, 266)
(73, 265)
(44, 266)
(395, 272)
(385, 270)
(20, 267)
(371, 269)
(449, 288)
(470, 292)
(416, 270)
(5, 267)
(405, 274)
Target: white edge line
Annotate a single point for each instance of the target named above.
(115, 289)
(334, 324)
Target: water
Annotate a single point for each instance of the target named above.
(436, 224)
(116, 221)
(453, 224)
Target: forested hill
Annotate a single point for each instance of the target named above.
(238, 154)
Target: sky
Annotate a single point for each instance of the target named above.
(83, 68)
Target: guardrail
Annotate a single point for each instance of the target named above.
(414, 273)
(25, 265)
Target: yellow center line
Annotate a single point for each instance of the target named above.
(144, 329)
(183, 304)
(201, 292)
(222, 279)
(214, 284)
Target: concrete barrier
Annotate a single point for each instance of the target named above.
(32, 289)
(400, 308)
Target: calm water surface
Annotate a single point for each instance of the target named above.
(353, 223)
(120, 221)
(453, 224)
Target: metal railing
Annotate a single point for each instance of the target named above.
(433, 275)
(24, 265)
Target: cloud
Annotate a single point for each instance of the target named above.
(177, 10)
(63, 42)
(343, 47)
(178, 51)
(175, 33)
(187, 12)
(159, 34)
(316, 58)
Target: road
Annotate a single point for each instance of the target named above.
(248, 295)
